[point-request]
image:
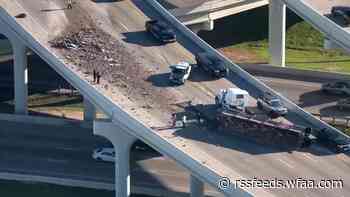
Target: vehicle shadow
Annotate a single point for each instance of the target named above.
(198, 75)
(141, 38)
(160, 80)
(314, 98)
(208, 130)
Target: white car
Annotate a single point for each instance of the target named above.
(104, 154)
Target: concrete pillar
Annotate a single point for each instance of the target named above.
(277, 32)
(20, 77)
(89, 111)
(196, 187)
(122, 142)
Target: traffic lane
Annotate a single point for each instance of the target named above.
(325, 6)
(228, 154)
(213, 86)
(269, 163)
(214, 157)
(307, 95)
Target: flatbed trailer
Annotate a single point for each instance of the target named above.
(249, 125)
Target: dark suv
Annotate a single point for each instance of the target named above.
(161, 31)
(342, 13)
(212, 64)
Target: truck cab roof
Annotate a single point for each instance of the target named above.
(181, 65)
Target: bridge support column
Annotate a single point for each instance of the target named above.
(196, 187)
(89, 111)
(122, 142)
(20, 77)
(277, 32)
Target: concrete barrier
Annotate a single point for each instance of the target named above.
(292, 73)
(16, 33)
(256, 87)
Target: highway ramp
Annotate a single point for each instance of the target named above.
(222, 153)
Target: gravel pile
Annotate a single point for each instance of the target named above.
(92, 49)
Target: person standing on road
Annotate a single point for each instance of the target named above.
(69, 4)
(173, 119)
(94, 75)
(98, 76)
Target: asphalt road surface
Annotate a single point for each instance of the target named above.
(65, 152)
(125, 20)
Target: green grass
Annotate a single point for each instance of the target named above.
(304, 48)
(19, 189)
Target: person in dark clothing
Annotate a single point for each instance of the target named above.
(94, 75)
(98, 76)
(173, 119)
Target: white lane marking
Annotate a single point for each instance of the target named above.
(124, 26)
(65, 148)
(309, 157)
(56, 160)
(286, 163)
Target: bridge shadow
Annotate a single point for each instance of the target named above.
(230, 30)
(210, 131)
(141, 38)
(43, 81)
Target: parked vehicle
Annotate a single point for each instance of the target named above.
(342, 13)
(344, 104)
(333, 141)
(272, 105)
(339, 87)
(180, 72)
(212, 64)
(104, 154)
(232, 98)
(161, 31)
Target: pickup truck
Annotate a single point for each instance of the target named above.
(272, 105)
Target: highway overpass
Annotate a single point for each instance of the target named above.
(209, 155)
(202, 15)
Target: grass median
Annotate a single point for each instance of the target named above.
(244, 39)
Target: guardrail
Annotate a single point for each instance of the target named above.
(257, 87)
(334, 120)
(113, 110)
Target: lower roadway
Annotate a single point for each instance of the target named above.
(125, 20)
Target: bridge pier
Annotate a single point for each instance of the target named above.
(277, 32)
(89, 111)
(196, 187)
(20, 77)
(122, 142)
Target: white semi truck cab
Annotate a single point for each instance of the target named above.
(232, 98)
